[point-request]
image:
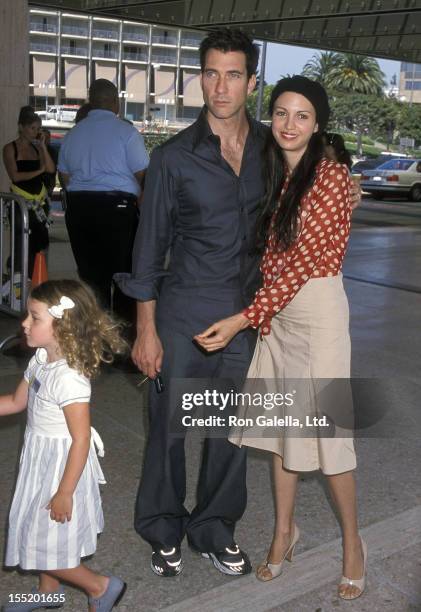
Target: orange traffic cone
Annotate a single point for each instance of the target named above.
(39, 274)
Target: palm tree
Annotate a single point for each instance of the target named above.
(320, 66)
(356, 74)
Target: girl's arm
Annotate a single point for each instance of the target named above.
(79, 423)
(15, 402)
(12, 169)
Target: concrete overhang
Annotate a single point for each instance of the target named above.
(389, 29)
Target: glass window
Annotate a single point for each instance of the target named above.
(413, 85)
(396, 164)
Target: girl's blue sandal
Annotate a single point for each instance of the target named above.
(115, 591)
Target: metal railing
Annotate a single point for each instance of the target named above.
(43, 47)
(136, 36)
(74, 51)
(73, 29)
(139, 57)
(36, 26)
(190, 42)
(102, 53)
(163, 59)
(98, 33)
(164, 40)
(188, 60)
(14, 282)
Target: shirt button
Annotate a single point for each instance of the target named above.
(244, 237)
(242, 209)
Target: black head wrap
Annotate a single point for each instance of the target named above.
(313, 91)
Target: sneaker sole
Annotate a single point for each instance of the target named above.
(155, 571)
(223, 568)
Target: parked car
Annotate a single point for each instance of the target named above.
(395, 177)
(370, 164)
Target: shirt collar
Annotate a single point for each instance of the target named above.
(41, 358)
(96, 112)
(204, 132)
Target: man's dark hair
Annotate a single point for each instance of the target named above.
(226, 40)
(103, 94)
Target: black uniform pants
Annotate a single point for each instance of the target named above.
(160, 515)
(102, 226)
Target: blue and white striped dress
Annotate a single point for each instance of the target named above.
(35, 541)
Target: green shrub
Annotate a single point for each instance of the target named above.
(350, 137)
(154, 140)
(367, 149)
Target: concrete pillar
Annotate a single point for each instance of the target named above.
(14, 71)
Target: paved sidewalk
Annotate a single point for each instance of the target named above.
(385, 333)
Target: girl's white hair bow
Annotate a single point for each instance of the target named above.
(57, 310)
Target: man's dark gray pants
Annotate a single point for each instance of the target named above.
(160, 516)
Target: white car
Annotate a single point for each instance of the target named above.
(394, 177)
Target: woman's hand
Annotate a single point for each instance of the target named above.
(42, 139)
(61, 506)
(218, 335)
(355, 193)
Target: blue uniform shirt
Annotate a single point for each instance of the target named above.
(102, 153)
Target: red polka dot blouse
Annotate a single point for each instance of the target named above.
(318, 251)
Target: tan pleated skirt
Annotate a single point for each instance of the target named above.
(309, 342)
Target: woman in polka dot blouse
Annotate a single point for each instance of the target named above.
(302, 315)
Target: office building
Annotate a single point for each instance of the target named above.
(156, 69)
(410, 82)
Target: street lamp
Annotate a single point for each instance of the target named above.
(46, 86)
(125, 95)
(261, 83)
(165, 101)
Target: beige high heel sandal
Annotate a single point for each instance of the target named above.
(360, 582)
(275, 569)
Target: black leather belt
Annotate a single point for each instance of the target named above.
(113, 194)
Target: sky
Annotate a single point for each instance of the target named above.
(286, 59)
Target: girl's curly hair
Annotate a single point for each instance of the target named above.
(86, 334)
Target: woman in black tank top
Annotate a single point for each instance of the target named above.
(25, 163)
(28, 166)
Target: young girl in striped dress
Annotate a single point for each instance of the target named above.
(56, 511)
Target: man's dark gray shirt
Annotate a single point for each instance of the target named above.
(196, 208)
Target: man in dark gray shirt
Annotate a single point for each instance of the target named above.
(201, 199)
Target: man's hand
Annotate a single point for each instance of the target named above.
(218, 335)
(355, 193)
(147, 352)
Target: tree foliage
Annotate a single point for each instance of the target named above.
(355, 84)
(383, 119)
(252, 101)
(356, 74)
(320, 66)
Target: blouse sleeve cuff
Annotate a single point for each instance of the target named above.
(257, 319)
(252, 316)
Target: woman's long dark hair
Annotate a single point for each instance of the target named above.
(285, 222)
